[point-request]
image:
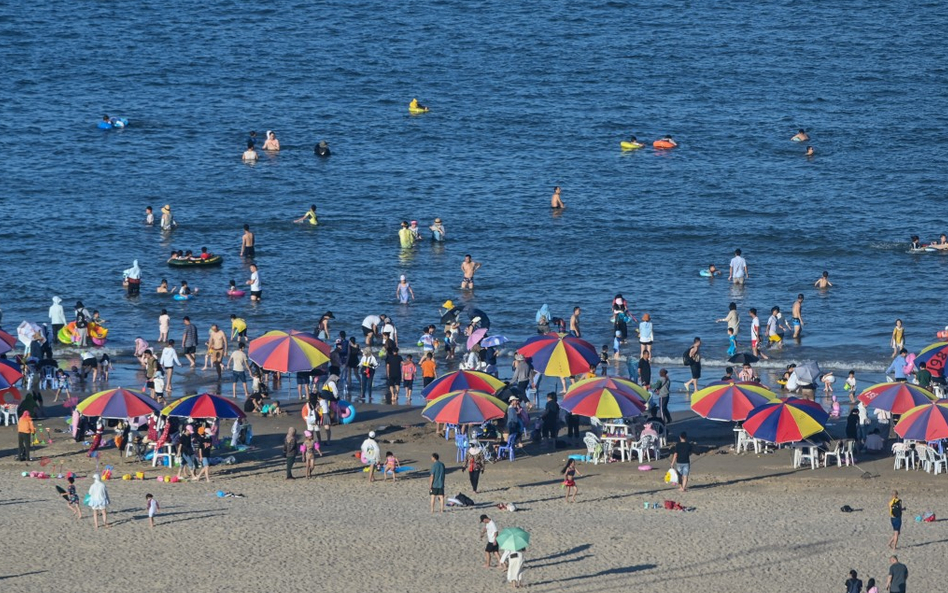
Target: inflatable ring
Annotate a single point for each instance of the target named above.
(417, 110)
(182, 297)
(99, 341)
(630, 145)
(347, 412)
(664, 144)
(705, 274)
(235, 293)
(645, 468)
(197, 263)
(65, 334)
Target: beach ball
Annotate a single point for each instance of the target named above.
(167, 479)
(220, 494)
(25, 474)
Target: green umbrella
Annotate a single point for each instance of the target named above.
(513, 539)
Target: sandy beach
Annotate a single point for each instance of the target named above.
(757, 524)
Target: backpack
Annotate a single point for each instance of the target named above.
(81, 318)
(465, 500)
(686, 359)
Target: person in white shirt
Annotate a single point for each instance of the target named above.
(370, 454)
(490, 532)
(645, 335)
(370, 327)
(389, 329)
(168, 360)
(256, 292)
(57, 317)
(738, 273)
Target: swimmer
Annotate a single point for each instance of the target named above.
(271, 144)
(405, 237)
(468, 267)
(713, 271)
(250, 155)
(403, 291)
(810, 151)
(556, 202)
(669, 140)
(942, 243)
(186, 290)
(437, 230)
(416, 105)
(916, 243)
(823, 281)
(415, 236)
(149, 216)
(800, 136)
(167, 219)
(310, 216)
(634, 140)
(251, 139)
(322, 149)
(163, 287)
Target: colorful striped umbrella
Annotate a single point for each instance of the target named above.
(10, 396)
(560, 356)
(786, 421)
(927, 422)
(204, 405)
(458, 380)
(730, 401)
(291, 352)
(935, 357)
(896, 397)
(117, 403)
(7, 342)
(603, 403)
(464, 407)
(9, 373)
(616, 385)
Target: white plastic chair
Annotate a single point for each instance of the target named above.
(594, 450)
(847, 453)
(902, 456)
(802, 455)
(9, 414)
(836, 452)
(644, 447)
(935, 462)
(166, 452)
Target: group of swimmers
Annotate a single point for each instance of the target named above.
(941, 245)
(410, 234)
(189, 255)
(271, 145)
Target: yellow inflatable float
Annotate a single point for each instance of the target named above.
(415, 107)
(69, 335)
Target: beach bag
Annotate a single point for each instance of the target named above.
(686, 359)
(465, 500)
(671, 477)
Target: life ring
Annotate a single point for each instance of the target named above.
(645, 468)
(99, 341)
(182, 297)
(417, 110)
(235, 293)
(630, 145)
(347, 412)
(664, 144)
(705, 274)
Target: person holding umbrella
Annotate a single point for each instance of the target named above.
(513, 541)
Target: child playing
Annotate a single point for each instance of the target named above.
(105, 367)
(151, 505)
(391, 466)
(569, 479)
(428, 369)
(828, 379)
(310, 449)
(731, 342)
(449, 333)
(850, 386)
(72, 498)
(408, 377)
(62, 384)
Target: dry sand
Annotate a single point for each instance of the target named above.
(757, 526)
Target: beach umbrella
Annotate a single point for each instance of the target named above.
(927, 422)
(617, 385)
(934, 357)
(464, 407)
(204, 405)
(743, 358)
(6, 342)
(786, 421)
(476, 336)
(26, 330)
(513, 539)
(493, 341)
(482, 319)
(730, 401)
(508, 391)
(808, 372)
(9, 373)
(458, 380)
(559, 356)
(117, 403)
(603, 404)
(896, 397)
(288, 352)
(452, 314)
(10, 396)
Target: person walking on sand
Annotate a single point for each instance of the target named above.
(217, 348)
(738, 269)
(247, 243)
(898, 574)
(99, 501)
(72, 498)
(238, 362)
(895, 518)
(514, 566)
(436, 481)
(468, 268)
(291, 447)
(169, 360)
(370, 455)
(474, 465)
(853, 583)
(489, 530)
(681, 460)
(570, 472)
(25, 431)
(151, 505)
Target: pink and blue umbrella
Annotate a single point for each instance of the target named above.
(560, 356)
(291, 352)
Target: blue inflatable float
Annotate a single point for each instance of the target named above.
(112, 123)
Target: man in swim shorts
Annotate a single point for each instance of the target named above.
(468, 267)
(217, 348)
(189, 340)
(256, 292)
(797, 313)
(247, 243)
(738, 272)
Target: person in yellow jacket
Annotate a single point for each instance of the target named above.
(25, 432)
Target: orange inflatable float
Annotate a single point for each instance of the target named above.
(664, 144)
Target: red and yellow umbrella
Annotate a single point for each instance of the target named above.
(896, 397)
(927, 422)
(117, 403)
(464, 407)
(204, 405)
(604, 403)
(560, 356)
(731, 401)
(786, 421)
(935, 357)
(9, 373)
(288, 352)
(458, 380)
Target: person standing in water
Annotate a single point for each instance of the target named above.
(149, 216)
(250, 155)
(823, 281)
(796, 312)
(800, 136)
(167, 219)
(322, 149)
(405, 237)
(437, 230)
(309, 217)
(556, 202)
(256, 291)
(898, 338)
(468, 268)
(247, 242)
(133, 279)
(574, 323)
(271, 144)
(403, 291)
(738, 266)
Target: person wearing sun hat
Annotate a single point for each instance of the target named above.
(370, 454)
(322, 149)
(167, 219)
(437, 230)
